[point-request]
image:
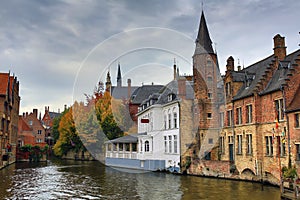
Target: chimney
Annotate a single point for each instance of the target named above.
(48, 109)
(181, 87)
(58, 110)
(26, 115)
(279, 47)
(23, 115)
(45, 109)
(65, 107)
(230, 64)
(129, 88)
(35, 113)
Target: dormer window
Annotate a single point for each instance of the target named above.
(248, 82)
(170, 97)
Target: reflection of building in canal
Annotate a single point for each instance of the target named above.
(156, 186)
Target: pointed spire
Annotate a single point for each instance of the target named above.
(174, 69)
(108, 77)
(119, 77)
(108, 82)
(203, 41)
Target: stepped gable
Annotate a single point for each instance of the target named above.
(280, 76)
(254, 72)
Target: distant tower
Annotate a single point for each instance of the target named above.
(175, 69)
(205, 73)
(119, 77)
(108, 82)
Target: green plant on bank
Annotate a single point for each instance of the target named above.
(35, 152)
(289, 172)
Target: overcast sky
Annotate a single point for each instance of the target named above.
(52, 46)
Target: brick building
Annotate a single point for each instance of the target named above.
(256, 129)
(36, 127)
(243, 129)
(47, 122)
(9, 111)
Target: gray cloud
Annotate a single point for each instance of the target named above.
(45, 42)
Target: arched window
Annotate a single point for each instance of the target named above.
(146, 146)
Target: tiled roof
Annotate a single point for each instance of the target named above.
(126, 139)
(54, 115)
(121, 92)
(172, 88)
(144, 92)
(23, 126)
(238, 76)
(256, 71)
(279, 76)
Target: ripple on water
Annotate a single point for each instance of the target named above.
(76, 180)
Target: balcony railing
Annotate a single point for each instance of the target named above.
(127, 155)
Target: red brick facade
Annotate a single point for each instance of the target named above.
(9, 110)
(253, 130)
(34, 126)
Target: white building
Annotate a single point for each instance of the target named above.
(156, 146)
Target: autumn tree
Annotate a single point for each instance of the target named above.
(121, 114)
(68, 136)
(105, 117)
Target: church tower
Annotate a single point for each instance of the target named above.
(205, 73)
(119, 77)
(108, 82)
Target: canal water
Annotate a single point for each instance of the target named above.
(58, 179)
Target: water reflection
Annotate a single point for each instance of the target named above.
(208, 188)
(91, 180)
